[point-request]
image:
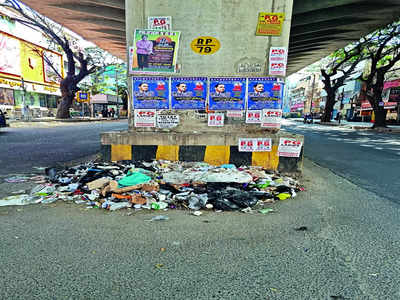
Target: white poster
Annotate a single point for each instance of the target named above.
(263, 145)
(216, 119)
(289, 147)
(145, 117)
(167, 121)
(234, 113)
(160, 23)
(10, 60)
(255, 145)
(253, 116)
(246, 145)
(277, 61)
(271, 118)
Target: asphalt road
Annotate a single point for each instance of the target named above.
(370, 160)
(349, 250)
(38, 146)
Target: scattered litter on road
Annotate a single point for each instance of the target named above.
(302, 228)
(159, 186)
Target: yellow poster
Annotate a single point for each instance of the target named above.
(31, 62)
(270, 23)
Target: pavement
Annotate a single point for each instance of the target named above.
(350, 250)
(367, 158)
(352, 125)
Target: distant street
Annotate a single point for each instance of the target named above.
(24, 148)
(369, 160)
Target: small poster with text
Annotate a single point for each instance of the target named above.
(216, 119)
(145, 117)
(289, 147)
(253, 116)
(271, 118)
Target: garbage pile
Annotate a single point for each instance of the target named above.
(160, 185)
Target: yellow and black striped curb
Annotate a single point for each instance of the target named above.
(214, 155)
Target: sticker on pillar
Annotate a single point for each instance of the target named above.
(154, 51)
(277, 61)
(264, 92)
(145, 117)
(205, 45)
(234, 113)
(160, 23)
(271, 118)
(247, 144)
(216, 119)
(227, 93)
(263, 145)
(253, 116)
(270, 23)
(289, 147)
(277, 68)
(189, 92)
(167, 120)
(150, 92)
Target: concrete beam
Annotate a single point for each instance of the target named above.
(104, 12)
(120, 33)
(363, 9)
(305, 6)
(331, 24)
(321, 34)
(115, 24)
(120, 4)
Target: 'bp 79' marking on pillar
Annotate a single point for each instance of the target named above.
(205, 45)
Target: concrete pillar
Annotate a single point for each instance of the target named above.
(234, 24)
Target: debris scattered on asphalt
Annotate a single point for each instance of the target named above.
(160, 186)
(302, 228)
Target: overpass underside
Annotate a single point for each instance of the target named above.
(318, 27)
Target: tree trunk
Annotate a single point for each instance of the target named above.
(66, 101)
(380, 116)
(330, 102)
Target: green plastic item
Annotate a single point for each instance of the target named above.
(263, 186)
(133, 178)
(265, 211)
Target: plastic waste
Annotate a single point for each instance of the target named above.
(266, 211)
(158, 205)
(159, 218)
(197, 202)
(133, 178)
(16, 179)
(284, 196)
(23, 199)
(120, 205)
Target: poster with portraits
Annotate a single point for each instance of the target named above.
(10, 59)
(150, 92)
(154, 51)
(264, 92)
(227, 93)
(189, 93)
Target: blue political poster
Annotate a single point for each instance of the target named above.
(151, 92)
(227, 93)
(264, 92)
(188, 92)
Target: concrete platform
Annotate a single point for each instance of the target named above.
(215, 148)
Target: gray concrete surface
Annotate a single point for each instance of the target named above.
(50, 143)
(350, 250)
(368, 159)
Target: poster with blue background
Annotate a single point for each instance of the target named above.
(227, 93)
(188, 92)
(264, 92)
(151, 92)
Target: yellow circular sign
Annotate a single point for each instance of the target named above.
(205, 45)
